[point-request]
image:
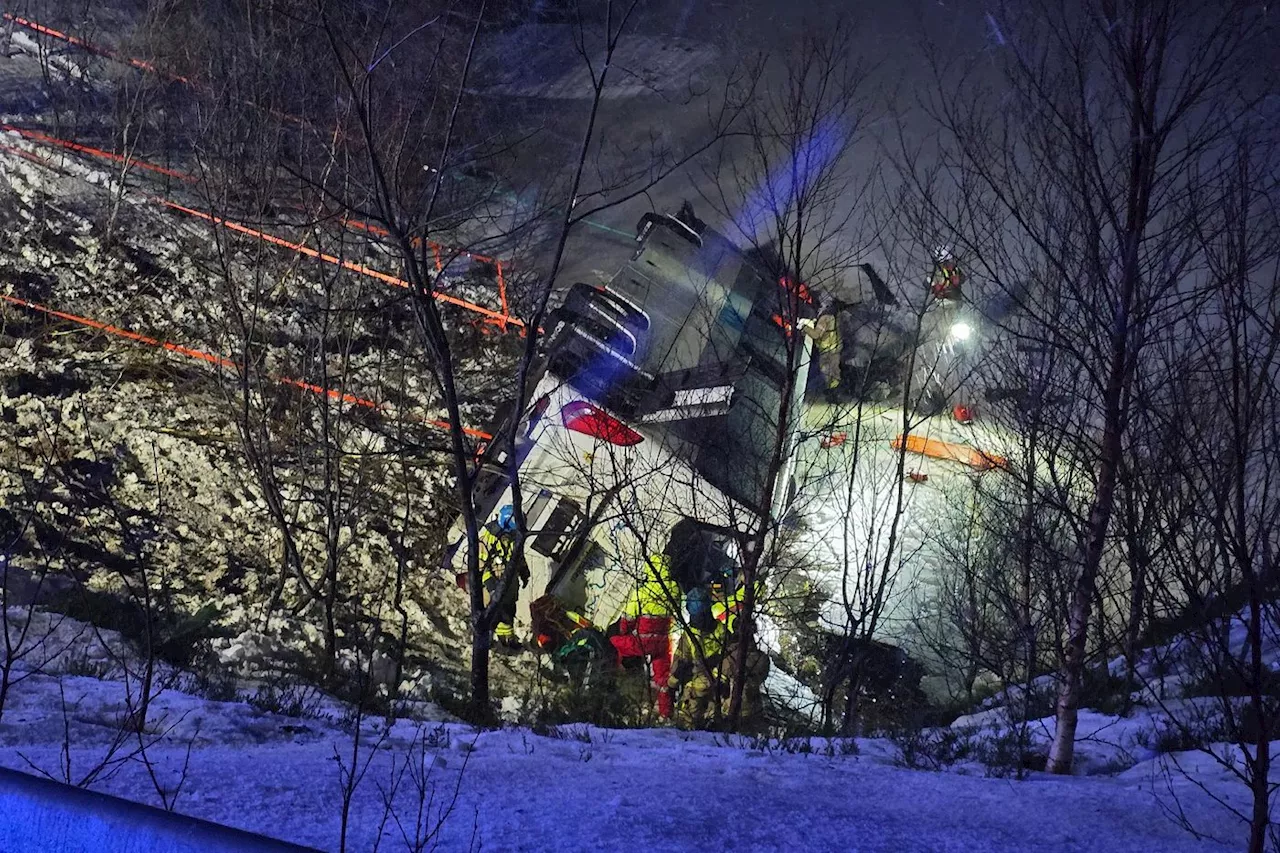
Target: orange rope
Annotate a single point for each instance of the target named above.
(119, 332)
(436, 249)
(220, 361)
(352, 266)
(501, 319)
(93, 48)
(379, 231)
(44, 138)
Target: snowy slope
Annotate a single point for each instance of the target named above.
(110, 402)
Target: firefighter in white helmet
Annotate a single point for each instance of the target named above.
(947, 277)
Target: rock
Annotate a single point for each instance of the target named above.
(233, 654)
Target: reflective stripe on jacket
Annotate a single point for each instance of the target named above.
(495, 553)
(726, 610)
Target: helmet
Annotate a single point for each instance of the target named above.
(941, 254)
(507, 519)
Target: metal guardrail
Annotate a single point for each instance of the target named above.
(38, 816)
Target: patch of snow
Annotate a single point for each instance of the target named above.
(585, 789)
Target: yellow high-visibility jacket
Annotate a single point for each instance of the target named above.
(657, 594)
(725, 610)
(827, 334)
(495, 553)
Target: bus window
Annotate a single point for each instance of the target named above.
(537, 507)
(557, 533)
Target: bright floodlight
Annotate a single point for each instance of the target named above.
(961, 331)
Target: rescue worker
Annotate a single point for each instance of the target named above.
(554, 622)
(947, 278)
(686, 215)
(644, 629)
(750, 714)
(825, 332)
(695, 673)
(726, 612)
(726, 607)
(497, 557)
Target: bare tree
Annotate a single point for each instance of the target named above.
(28, 644)
(796, 195)
(969, 621)
(1074, 166)
(1223, 511)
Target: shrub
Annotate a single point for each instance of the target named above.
(1010, 752)
(186, 640)
(1033, 704)
(1187, 734)
(181, 639)
(212, 683)
(582, 734)
(611, 700)
(842, 746)
(1229, 681)
(796, 746)
(932, 749)
(288, 699)
(83, 665)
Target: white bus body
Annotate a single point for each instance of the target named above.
(653, 424)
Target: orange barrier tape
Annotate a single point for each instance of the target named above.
(92, 48)
(219, 361)
(352, 266)
(119, 332)
(436, 250)
(379, 231)
(500, 319)
(950, 451)
(27, 155)
(45, 139)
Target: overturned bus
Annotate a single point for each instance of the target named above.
(654, 423)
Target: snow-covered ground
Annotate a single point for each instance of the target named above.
(85, 415)
(587, 789)
(575, 788)
(848, 528)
